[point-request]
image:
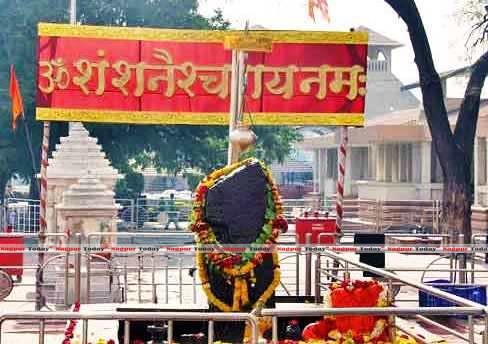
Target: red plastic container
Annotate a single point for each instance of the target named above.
(13, 258)
(315, 225)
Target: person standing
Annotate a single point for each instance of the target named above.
(172, 212)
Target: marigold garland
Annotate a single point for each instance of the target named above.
(351, 329)
(238, 268)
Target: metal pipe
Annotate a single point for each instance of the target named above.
(72, 12)
(194, 283)
(318, 312)
(170, 331)
(317, 279)
(78, 272)
(461, 258)
(442, 327)
(485, 332)
(66, 280)
(166, 279)
(153, 280)
(347, 274)
(391, 318)
(127, 332)
(472, 258)
(139, 278)
(42, 331)
(88, 277)
(297, 276)
(85, 331)
(308, 266)
(470, 329)
(428, 289)
(136, 316)
(126, 282)
(275, 329)
(210, 332)
(180, 280)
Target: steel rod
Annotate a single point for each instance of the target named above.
(42, 331)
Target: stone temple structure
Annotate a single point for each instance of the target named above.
(87, 206)
(76, 156)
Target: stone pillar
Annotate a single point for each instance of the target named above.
(417, 162)
(395, 163)
(315, 169)
(379, 162)
(426, 152)
(320, 172)
(325, 163)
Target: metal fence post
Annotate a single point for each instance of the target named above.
(275, 329)
(153, 280)
(85, 331)
(88, 277)
(308, 265)
(42, 331)
(318, 272)
(78, 271)
(210, 332)
(126, 332)
(297, 275)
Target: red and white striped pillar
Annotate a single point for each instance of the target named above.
(341, 152)
(44, 163)
(42, 210)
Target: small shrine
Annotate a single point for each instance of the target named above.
(79, 213)
(74, 156)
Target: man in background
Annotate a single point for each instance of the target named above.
(172, 212)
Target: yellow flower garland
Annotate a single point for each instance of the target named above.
(237, 299)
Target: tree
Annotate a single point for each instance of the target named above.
(172, 148)
(454, 147)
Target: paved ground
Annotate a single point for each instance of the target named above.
(176, 287)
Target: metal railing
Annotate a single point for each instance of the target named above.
(152, 213)
(22, 215)
(384, 311)
(467, 307)
(127, 317)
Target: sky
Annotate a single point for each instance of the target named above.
(446, 32)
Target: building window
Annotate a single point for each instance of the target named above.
(332, 163)
(405, 154)
(359, 163)
(395, 163)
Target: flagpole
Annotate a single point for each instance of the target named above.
(31, 151)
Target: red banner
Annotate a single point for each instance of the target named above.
(149, 76)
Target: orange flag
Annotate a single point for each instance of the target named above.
(321, 5)
(17, 102)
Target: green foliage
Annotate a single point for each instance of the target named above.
(193, 179)
(131, 186)
(170, 147)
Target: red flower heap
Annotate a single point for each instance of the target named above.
(361, 328)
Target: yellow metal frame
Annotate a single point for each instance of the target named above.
(196, 118)
(215, 36)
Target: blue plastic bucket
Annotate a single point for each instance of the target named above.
(473, 293)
